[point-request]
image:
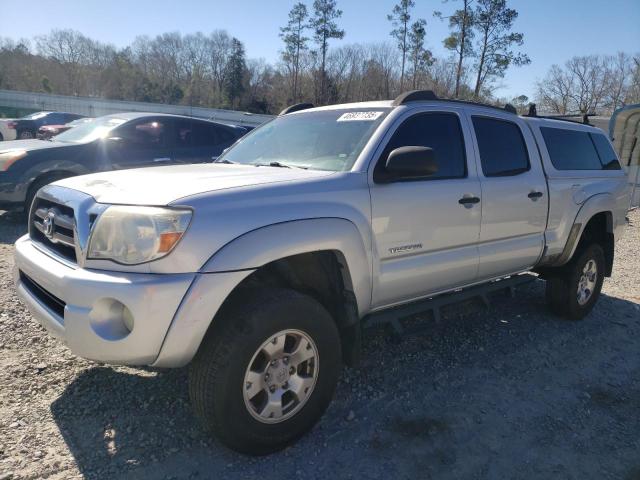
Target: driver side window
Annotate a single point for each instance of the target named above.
(439, 131)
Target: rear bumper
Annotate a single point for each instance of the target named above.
(86, 308)
(8, 134)
(12, 191)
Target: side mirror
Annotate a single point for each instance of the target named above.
(406, 163)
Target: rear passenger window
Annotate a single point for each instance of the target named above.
(209, 134)
(608, 157)
(571, 149)
(439, 131)
(502, 148)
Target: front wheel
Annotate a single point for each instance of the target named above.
(266, 371)
(573, 291)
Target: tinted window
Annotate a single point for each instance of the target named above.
(226, 137)
(439, 131)
(70, 117)
(183, 133)
(570, 149)
(608, 157)
(53, 119)
(502, 148)
(206, 134)
(146, 134)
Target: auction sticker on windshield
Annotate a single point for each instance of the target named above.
(359, 116)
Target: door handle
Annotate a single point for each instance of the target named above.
(469, 200)
(162, 159)
(535, 195)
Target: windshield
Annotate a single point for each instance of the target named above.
(320, 140)
(90, 130)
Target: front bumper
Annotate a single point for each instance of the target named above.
(86, 321)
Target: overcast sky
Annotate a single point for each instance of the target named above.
(554, 30)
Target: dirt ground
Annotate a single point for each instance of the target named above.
(505, 392)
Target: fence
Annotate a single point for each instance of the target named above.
(95, 107)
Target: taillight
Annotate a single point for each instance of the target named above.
(12, 125)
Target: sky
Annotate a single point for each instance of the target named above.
(554, 30)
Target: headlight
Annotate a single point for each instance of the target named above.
(8, 158)
(132, 235)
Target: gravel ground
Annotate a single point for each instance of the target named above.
(504, 392)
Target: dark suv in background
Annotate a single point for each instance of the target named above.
(27, 127)
(112, 142)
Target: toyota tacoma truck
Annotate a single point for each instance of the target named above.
(258, 270)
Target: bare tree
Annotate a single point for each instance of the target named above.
(68, 47)
(220, 51)
(399, 18)
(620, 74)
(584, 85)
(493, 22)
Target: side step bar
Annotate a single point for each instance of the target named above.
(392, 317)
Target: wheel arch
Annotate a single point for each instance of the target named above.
(595, 222)
(278, 242)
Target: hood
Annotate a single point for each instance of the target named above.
(163, 185)
(29, 145)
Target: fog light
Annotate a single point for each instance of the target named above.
(111, 319)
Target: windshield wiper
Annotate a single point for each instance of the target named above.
(224, 160)
(280, 165)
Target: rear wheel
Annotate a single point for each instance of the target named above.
(266, 371)
(574, 289)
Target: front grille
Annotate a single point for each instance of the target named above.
(53, 227)
(52, 302)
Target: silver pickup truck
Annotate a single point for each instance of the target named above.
(257, 270)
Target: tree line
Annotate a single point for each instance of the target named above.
(315, 65)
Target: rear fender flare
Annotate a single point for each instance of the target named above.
(602, 202)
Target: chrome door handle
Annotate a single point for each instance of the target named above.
(162, 159)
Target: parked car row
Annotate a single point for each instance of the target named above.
(111, 142)
(26, 128)
(47, 131)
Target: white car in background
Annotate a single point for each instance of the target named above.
(6, 133)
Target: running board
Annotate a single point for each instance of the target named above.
(392, 317)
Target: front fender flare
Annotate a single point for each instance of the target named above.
(273, 242)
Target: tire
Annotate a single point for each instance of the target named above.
(562, 293)
(26, 135)
(37, 184)
(228, 403)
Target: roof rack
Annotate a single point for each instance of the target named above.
(429, 95)
(414, 96)
(565, 118)
(296, 108)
